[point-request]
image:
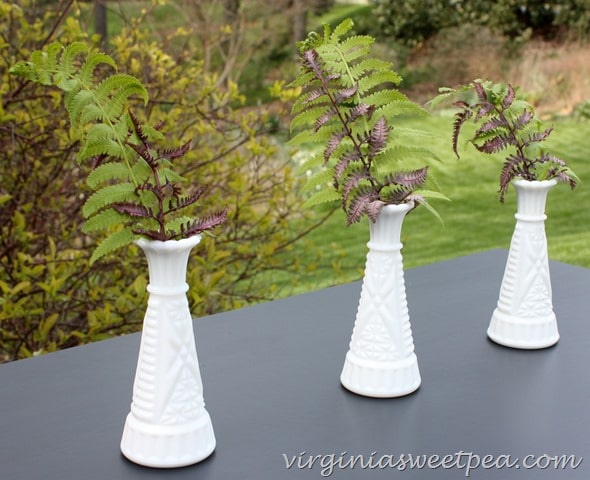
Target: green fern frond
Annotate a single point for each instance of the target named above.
(313, 161)
(113, 242)
(307, 117)
(107, 196)
(93, 60)
(101, 146)
(376, 79)
(341, 29)
(70, 52)
(173, 228)
(347, 103)
(135, 185)
(75, 102)
(103, 220)
(302, 80)
(114, 91)
(328, 195)
(322, 179)
(394, 156)
(168, 175)
(106, 172)
(372, 64)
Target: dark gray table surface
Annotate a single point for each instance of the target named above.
(271, 383)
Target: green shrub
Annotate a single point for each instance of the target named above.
(413, 21)
(50, 296)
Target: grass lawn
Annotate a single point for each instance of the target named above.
(474, 220)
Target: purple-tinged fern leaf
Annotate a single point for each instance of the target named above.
(206, 223)
(360, 110)
(460, 118)
(538, 136)
(496, 144)
(132, 209)
(174, 153)
(547, 157)
(373, 209)
(510, 96)
(378, 136)
(410, 180)
(491, 125)
(523, 119)
(341, 166)
(345, 94)
(352, 182)
(480, 91)
(137, 128)
(322, 119)
(483, 109)
(144, 152)
(182, 202)
(359, 204)
(333, 144)
(313, 95)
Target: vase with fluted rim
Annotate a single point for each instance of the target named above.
(168, 425)
(381, 361)
(524, 316)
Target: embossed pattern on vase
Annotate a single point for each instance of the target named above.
(375, 336)
(524, 316)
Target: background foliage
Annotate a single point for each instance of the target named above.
(413, 21)
(50, 297)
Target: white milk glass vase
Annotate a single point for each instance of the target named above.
(524, 316)
(168, 425)
(381, 361)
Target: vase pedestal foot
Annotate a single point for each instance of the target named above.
(167, 446)
(525, 333)
(380, 379)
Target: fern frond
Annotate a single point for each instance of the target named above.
(376, 79)
(328, 195)
(108, 195)
(113, 242)
(321, 179)
(367, 66)
(396, 155)
(75, 103)
(314, 160)
(70, 52)
(111, 96)
(101, 146)
(307, 117)
(206, 223)
(341, 29)
(104, 220)
(347, 102)
(93, 60)
(106, 172)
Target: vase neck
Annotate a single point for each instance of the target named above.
(532, 196)
(167, 262)
(385, 233)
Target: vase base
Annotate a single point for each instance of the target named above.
(380, 379)
(523, 333)
(167, 446)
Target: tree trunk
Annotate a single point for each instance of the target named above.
(100, 20)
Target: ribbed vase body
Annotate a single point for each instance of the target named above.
(381, 361)
(524, 316)
(168, 425)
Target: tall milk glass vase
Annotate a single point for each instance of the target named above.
(381, 361)
(168, 425)
(524, 316)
